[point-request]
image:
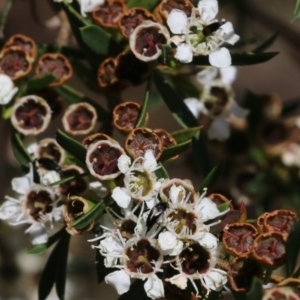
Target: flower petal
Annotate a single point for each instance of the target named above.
(215, 279)
(120, 280)
(230, 36)
(7, 89)
(154, 288)
(121, 197)
(124, 162)
(219, 130)
(207, 75)
(22, 184)
(38, 235)
(208, 9)
(238, 111)
(220, 58)
(184, 53)
(194, 105)
(208, 209)
(89, 5)
(177, 21)
(228, 74)
(149, 163)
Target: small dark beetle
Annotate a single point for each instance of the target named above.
(48, 164)
(155, 212)
(209, 29)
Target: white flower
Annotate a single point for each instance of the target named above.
(7, 89)
(184, 53)
(87, 6)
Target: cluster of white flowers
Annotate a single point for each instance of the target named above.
(202, 34)
(217, 101)
(179, 237)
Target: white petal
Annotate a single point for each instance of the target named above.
(208, 209)
(228, 74)
(219, 129)
(184, 53)
(98, 188)
(49, 177)
(230, 36)
(154, 288)
(207, 75)
(215, 279)
(22, 184)
(7, 89)
(238, 111)
(151, 202)
(10, 210)
(89, 5)
(124, 162)
(208, 9)
(38, 235)
(177, 21)
(208, 240)
(111, 245)
(30, 144)
(167, 240)
(179, 281)
(121, 197)
(220, 58)
(120, 280)
(149, 163)
(194, 105)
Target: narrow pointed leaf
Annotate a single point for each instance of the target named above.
(239, 59)
(161, 172)
(90, 216)
(70, 145)
(142, 116)
(49, 274)
(99, 40)
(61, 271)
(101, 269)
(72, 96)
(296, 13)
(19, 150)
(136, 292)
(292, 248)
(213, 176)
(42, 247)
(266, 43)
(185, 134)
(69, 178)
(224, 206)
(147, 4)
(38, 83)
(174, 101)
(256, 290)
(175, 150)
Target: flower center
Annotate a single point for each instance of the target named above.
(139, 184)
(127, 228)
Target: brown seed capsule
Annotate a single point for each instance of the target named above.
(166, 140)
(260, 222)
(76, 186)
(166, 6)
(31, 115)
(282, 293)
(109, 13)
(133, 18)
(56, 64)
(280, 221)
(241, 272)
(79, 118)
(24, 42)
(107, 78)
(130, 70)
(140, 140)
(102, 159)
(269, 249)
(238, 238)
(125, 116)
(74, 208)
(95, 138)
(49, 148)
(15, 62)
(147, 39)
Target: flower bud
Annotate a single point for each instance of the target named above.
(56, 64)
(31, 115)
(79, 118)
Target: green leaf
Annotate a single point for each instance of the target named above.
(292, 248)
(174, 102)
(19, 150)
(141, 122)
(266, 43)
(42, 247)
(136, 292)
(147, 4)
(71, 53)
(99, 40)
(52, 272)
(185, 134)
(296, 13)
(239, 59)
(64, 180)
(256, 290)
(174, 150)
(39, 83)
(213, 176)
(72, 96)
(70, 145)
(7, 111)
(101, 269)
(224, 206)
(89, 217)
(161, 172)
